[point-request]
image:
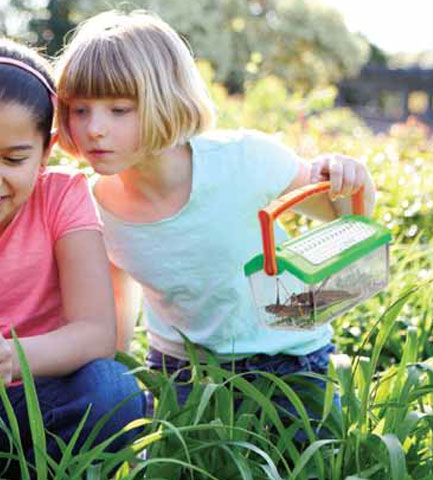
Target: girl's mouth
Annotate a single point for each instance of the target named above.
(99, 153)
(3, 198)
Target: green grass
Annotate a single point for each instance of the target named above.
(383, 430)
(384, 373)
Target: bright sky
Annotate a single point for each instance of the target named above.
(393, 25)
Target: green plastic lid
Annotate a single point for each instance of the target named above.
(327, 249)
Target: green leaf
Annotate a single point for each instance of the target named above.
(67, 453)
(208, 391)
(37, 428)
(153, 381)
(14, 431)
(309, 453)
(94, 472)
(387, 323)
(396, 456)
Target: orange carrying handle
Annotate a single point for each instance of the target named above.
(269, 214)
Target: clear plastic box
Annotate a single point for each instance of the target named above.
(308, 281)
(286, 302)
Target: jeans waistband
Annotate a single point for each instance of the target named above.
(280, 363)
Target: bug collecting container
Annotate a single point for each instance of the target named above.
(308, 281)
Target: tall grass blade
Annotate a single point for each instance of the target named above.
(153, 381)
(204, 401)
(14, 430)
(37, 428)
(309, 452)
(397, 460)
(67, 454)
(102, 421)
(388, 320)
(141, 468)
(243, 468)
(94, 472)
(394, 415)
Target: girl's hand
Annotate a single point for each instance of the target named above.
(345, 174)
(5, 361)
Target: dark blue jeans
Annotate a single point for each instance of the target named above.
(64, 400)
(280, 365)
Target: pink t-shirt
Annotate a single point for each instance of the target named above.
(30, 297)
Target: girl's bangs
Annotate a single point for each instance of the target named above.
(97, 76)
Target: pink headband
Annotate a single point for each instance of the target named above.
(34, 72)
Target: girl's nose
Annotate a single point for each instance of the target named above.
(96, 127)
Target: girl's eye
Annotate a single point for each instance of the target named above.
(120, 110)
(79, 110)
(15, 160)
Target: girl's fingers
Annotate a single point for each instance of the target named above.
(345, 174)
(359, 178)
(353, 177)
(318, 168)
(336, 173)
(349, 179)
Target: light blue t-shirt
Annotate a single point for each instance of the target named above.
(190, 266)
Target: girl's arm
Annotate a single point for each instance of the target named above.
(126, 295)
(88, 304)
(346, 176)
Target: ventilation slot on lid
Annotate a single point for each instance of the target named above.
(321, 246)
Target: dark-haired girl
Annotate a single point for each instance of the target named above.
(55, 290)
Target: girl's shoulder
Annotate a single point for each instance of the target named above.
(103, 189)
(59, 177)
(219, 137)
(108, 194)
(241, 142)
(242, 146)
(57, 181)
(64, 199)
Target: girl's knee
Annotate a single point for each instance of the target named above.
(112, 390)
(107, 385)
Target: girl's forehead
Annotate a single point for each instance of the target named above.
(19, 111)
(17, 124)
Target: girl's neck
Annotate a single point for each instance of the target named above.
(155, 190)
(158, 177)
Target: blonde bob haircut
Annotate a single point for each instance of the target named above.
(137, 56)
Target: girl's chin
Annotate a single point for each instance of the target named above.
(104, 169)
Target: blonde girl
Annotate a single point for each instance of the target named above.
(179, 200)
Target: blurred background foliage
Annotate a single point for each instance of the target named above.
(302, 42)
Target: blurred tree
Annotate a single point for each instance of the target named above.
(301, 41)
(53, 26)
(45, 23)
(377, 56)
(40, 22)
